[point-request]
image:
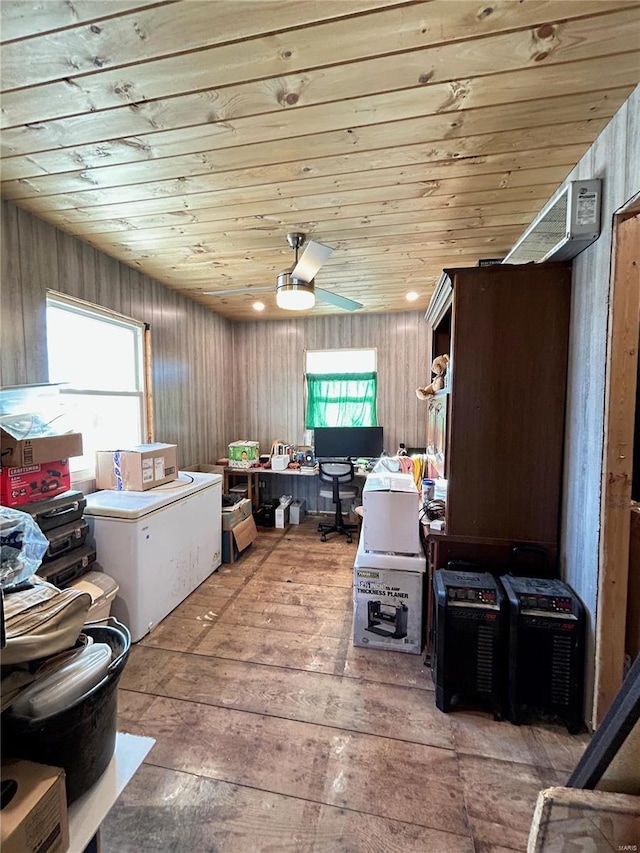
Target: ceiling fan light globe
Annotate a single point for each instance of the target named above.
(294, 295)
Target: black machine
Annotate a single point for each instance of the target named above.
(387, 620)
(469, 639)
(546, 626)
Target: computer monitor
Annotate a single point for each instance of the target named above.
(348, 442)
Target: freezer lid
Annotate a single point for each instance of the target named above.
(131, 505)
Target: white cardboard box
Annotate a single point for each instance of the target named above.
(387, 609)
(282, 515)
(390, 505)
(298, 510)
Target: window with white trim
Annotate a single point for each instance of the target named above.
(98, 356)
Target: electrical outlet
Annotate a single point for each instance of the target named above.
(262, 484)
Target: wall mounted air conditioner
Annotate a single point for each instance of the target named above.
(567, 224)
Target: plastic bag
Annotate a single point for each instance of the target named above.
(22, 546)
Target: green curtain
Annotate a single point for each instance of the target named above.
(341, 400)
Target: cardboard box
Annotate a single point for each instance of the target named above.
(18, 452)
(297, 511)
(36, 818)
(242, 454)
(205, 468)
(232, 516)
(282, 514)
(390, 505)
(387, 609)
(34, 482)
(137, 468)
(238, 539)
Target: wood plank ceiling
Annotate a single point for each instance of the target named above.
(188, 138)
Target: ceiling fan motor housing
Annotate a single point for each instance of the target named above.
(296, 289)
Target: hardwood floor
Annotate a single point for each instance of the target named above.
(273, 733)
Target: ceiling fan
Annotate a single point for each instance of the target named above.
(295, 287)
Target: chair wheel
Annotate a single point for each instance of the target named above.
(323, 538)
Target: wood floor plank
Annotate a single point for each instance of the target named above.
(325, 623)
(297, 593)
(388, 667)
(503, 793)
(169, 810)
(312, 697)
(277, 648)
(313, 762)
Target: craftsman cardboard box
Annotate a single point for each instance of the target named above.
(297, 511)
(387, 609)
(18, 452)
(22, 485)
(136, 468)
(243, 454)
(233, 515)
(238, 539)
(390, 505)
(35, 819)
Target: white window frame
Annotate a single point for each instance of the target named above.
(141, 367)
(344, 352)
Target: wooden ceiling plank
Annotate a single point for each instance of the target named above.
(271, 155)
(275, 260)
(341, 239)
(257, 76)
(330, 233)
(21, 19)
(163, 144)
(73, 219)
(352, 216)
(159, 31)
(409, 90)
(397, 183)
(407, 157)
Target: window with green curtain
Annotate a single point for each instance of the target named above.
(341, 400)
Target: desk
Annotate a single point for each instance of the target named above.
(252, 477)
(88, 811)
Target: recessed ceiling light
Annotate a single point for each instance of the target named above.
(412, 296)
(258, 306)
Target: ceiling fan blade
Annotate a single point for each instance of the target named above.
(336, 299)
(235, 290)
(312, 259)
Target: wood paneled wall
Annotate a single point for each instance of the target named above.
(269, 363)
(191, 346)
(614, 157)
(268, 373)
(214, 382)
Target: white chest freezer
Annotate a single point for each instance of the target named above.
(158, 545)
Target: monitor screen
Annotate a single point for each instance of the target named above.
(343, 442)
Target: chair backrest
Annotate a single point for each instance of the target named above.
(336, 473)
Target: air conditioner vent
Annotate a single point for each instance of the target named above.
(567, 224)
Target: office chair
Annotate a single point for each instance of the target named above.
(339, 475)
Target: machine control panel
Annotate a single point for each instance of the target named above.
(552, 603)
(478, 596)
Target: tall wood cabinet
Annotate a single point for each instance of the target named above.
(505, 329)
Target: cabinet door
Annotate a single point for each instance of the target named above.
(437, 434)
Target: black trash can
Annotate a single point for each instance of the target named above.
(81, 738)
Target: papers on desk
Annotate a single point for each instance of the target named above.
(308, 469)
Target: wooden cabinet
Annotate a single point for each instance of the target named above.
(505, 329)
